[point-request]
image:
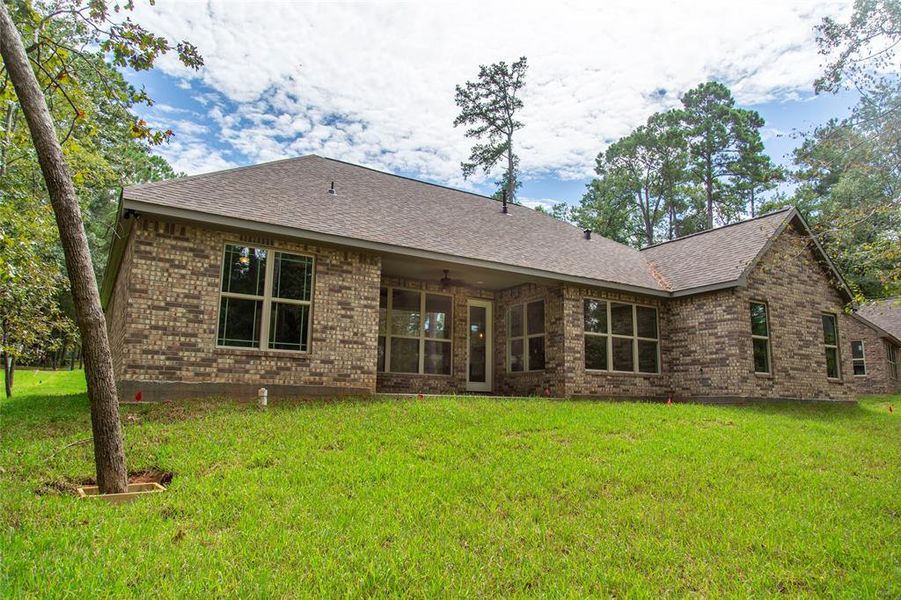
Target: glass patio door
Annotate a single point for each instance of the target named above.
(479, 352)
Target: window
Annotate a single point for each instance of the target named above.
(858, 361)
(265, 299)
(525, 337)
(621, 337)
(891, 353)
(830, 341)
(414, 332)
(760, 337)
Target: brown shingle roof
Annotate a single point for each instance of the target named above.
(379, 207)
(405, 215)
(716, 256)
(885, 314)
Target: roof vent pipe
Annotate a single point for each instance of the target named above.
(331, 190)
(504, 200)
(587, 234)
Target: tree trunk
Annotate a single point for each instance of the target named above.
(56, 358)
(7, 375)
(511, 188)
(109, 453)
(72, 359)
(752, 201)
(8, 135)
(708, 185)
(672, 222)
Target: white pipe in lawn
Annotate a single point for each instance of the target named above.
(262, 397)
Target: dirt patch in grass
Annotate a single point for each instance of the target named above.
(61, 487)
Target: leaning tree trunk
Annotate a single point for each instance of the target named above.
(109, 454)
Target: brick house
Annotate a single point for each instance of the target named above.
(315, 276)
(875, 348)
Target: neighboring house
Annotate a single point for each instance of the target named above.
(312, 275)
(875, 347)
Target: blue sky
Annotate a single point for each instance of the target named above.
(373, 83)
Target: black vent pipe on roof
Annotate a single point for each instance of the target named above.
(587, 234)
(331, 190)
(504, 201)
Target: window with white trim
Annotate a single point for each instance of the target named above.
(891, 353)
(265, 299)
(415, 332)
(621, 337)
(858, 358)
(830, 342)
(525, 337)
(760, 337)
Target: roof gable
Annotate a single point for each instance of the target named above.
(717, 256)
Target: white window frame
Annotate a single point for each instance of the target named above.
(769, 345)
(862, 360)
(836, 345)
(525, 337)
(422, 336)
(634, 337)
(891, 355)
(267, 297)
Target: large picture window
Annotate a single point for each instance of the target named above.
(265, 299)
(414, 332)
(525, 337)
(830, 342)
(621, 337)
(760, 337)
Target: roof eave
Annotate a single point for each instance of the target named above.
(789, 217)
(114, 256)
(205, 218)
(876, 327)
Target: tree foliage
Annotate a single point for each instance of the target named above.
(681, 172)
(32, 321)
(106, 147)
(724, 141)
(488, 107)
(848, 171)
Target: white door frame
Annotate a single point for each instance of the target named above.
(478, 386)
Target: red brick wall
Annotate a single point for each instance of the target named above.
(878, 379)
(164, 309)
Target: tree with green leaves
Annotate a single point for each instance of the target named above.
(30, 279)
(489, 106)
(606, 209)
(753, 172)
(718, 132)
(848, 171)
(643, 173)
(44, 63)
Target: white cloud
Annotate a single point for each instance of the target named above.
(546, 203)
(374, 83)
(193, 157)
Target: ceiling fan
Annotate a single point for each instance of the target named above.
(447, 281)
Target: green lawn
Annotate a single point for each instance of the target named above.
(456, 497)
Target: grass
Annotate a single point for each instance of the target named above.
(456, 497)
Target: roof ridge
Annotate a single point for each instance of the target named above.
(413, 179)
(219, 172)
(727, 225)
(303, 157)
